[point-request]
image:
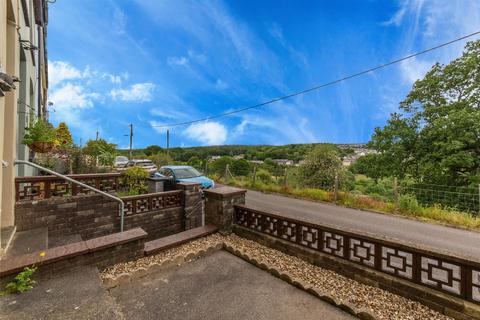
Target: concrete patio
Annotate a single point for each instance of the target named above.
(218, 286)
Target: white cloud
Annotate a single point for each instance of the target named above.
(72, 96)
(59, 71)
(397, 18)
(70, 103)
(139, 92)
(414, 69)
(210, 133)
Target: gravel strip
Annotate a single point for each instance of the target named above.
(383, 304)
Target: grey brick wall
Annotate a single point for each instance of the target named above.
(93, 216)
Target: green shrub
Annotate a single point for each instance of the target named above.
(264, 176)
(409, 204)
(134, 179)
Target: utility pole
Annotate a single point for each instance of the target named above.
(131, 140)
(168, 141)
(96, 139)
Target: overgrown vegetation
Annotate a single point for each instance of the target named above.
(134, 181)
(407, 205)
(21, 283)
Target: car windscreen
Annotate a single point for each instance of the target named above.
(185, 173)
(121, 159)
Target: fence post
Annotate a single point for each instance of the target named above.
(226, 173)
(285, 179)
(254, 175)
(335, 188)
(395, 192)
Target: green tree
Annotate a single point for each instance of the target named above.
(161, 159)
(63, 135)
(195, 162)
(436, 135)
(240, 167)
(99, 152)
(371, 165)
(218, 166)
(320, 167)
(152, 150)
(96, 147)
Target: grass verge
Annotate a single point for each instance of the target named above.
(408, 206)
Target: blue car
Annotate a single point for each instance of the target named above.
(185, 174)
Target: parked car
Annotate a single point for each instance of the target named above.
(185, 174)
(143, 163)
(120, 161)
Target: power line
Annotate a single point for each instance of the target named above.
(318, 86)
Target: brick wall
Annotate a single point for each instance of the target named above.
(193, 204)
(220, 206)
(92, 216)
(101, 252)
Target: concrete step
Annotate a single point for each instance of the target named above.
(28, 241)
(161, 244)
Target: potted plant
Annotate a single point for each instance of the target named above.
(40, 136)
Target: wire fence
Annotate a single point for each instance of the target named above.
(458, 198)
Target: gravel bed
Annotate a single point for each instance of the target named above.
(383, 304)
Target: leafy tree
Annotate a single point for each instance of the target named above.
(63, 135)
(152, 150)
(96, 147)
(195, 162)
(99, 152)
(240, 167)
(218, 166)
(436, 135)
(371, 165)
(320, 166)
(161, 159)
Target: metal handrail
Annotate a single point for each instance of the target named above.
(86, 186)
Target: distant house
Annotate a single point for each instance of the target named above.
(284, 162)
(256, 161)
(215, 157)
(239, 156)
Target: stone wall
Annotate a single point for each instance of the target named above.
(93, 216)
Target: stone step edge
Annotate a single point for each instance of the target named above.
(161, 244)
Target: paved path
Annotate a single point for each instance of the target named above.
(434, 236)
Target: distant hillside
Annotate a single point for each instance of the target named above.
(295, 152)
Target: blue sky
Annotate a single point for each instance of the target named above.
(152, 63)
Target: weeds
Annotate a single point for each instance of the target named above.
(21, 283)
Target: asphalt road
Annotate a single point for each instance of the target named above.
(437, 237)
